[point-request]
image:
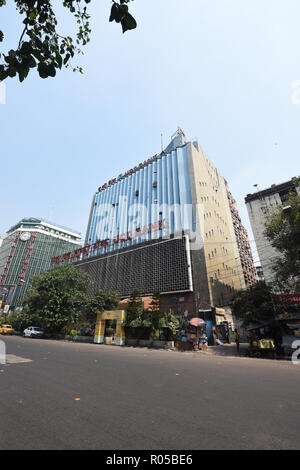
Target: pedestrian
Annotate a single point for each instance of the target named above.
(237, 340)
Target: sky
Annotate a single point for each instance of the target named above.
(221, 69)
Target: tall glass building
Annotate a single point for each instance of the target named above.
(27, 250)
(166, 226)
(144, 204)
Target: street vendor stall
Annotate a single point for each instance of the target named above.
(192, 335)
(201, 337)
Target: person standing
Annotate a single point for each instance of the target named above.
(237, 340)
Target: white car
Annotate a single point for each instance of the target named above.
(33, 332)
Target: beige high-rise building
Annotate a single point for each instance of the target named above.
(223, 253)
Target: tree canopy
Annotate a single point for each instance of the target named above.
(42, 47)
(103, 300)
(58, 297)
(256, 304)
(283, 231)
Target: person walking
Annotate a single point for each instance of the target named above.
(237, 340)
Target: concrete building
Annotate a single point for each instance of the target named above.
(1, 240)
(165, 226)
(27, 250)
(260, 206)
(247, 267)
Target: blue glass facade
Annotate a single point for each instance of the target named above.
(152, 202)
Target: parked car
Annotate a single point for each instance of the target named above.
(6, 330)
(33, 332)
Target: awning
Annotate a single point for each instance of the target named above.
(197, 322)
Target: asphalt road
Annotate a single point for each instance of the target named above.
(78, 396)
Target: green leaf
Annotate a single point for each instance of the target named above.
(59, 60)
(26, 48)
(32, 62)
(115, 14)
(128, 23)
(43, 70)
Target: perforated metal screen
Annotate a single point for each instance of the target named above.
(157, 267)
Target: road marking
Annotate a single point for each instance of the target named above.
(11, 359)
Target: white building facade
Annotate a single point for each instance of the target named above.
(260, 206)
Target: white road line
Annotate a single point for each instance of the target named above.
(11, 359)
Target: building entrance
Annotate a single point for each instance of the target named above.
(109, 328)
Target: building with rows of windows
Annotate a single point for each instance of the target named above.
(260, 207)
(167, 226)
(27, 250)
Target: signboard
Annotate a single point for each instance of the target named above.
(128, 173)
(139, 232)
(290, 299)
(114, 315)
(6, 309)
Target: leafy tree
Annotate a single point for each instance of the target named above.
(283, 231)
(22, 320)
(58, 296)
(134, 307)
(103, 300)
(142, 323)
(155, 312)
(256, 304)
(42, 47)
(170, 323)
(137, 322)
(147, 320)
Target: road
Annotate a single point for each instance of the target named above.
(79, 396)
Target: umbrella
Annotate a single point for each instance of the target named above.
(197, 322)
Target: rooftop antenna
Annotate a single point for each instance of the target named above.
(179, 133)
(162, 142)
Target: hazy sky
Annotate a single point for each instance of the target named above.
(220, 69)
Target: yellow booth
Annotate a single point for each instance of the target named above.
(114, 319)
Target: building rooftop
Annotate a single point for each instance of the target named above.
(34, 221)
(274, 189)
(177, 140)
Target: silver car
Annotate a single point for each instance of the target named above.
(33, 332)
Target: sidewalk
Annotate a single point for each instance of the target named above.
(228, 350)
